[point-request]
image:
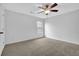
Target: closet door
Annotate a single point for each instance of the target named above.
(2, 28)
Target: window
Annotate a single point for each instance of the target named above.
(39, 26)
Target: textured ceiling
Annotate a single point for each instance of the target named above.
(26, 8)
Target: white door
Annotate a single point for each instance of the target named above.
(2, 28)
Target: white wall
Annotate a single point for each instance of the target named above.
(64, 27)
(20, 27)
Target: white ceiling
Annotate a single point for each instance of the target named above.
(26, 8)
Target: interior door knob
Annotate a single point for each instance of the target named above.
(1, 32)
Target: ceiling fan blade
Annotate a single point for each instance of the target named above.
(41, 7)
(40, 12)
(54, 10)
(36, 12)
(47, 6)
(53, 5)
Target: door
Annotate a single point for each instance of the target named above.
(2, 28)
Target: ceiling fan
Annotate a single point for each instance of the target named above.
(47, 8)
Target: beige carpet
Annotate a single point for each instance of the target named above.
(41, 47)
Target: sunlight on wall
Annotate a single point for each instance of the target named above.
(49, 29)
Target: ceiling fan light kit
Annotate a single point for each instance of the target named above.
(47, 8)
(46, 12)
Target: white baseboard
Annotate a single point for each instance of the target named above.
(23, 40)
(77, 43)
